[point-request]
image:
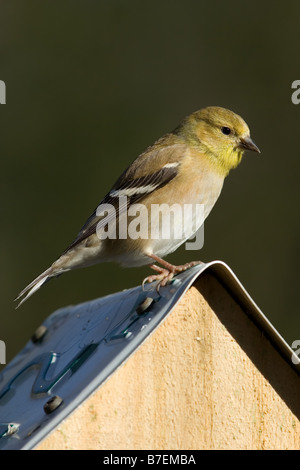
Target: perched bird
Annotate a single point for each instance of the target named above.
(186, 166)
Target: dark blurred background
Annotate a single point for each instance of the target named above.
(90, 85)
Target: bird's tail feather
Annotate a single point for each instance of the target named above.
(35, 285)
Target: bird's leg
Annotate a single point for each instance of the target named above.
(157, 268)
(167, 272)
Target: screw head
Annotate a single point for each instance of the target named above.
(144, 306)
(39, 334)
(52, 404)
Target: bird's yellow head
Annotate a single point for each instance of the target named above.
(220, 134)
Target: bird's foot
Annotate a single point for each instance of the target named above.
(163, 277)
(166, 273)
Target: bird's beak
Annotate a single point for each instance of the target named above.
(248, 144)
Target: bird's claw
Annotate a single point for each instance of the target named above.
(166, 275)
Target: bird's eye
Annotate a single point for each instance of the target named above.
(226, 130)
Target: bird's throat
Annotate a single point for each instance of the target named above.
(226, 160)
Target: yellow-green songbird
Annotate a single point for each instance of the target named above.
(184, 167)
